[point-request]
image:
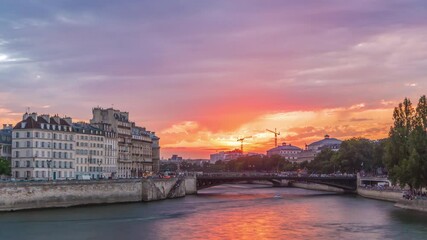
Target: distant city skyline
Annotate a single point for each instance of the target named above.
(202, 74)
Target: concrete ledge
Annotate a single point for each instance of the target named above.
(380, 195)
(315, 186)
(418, 205)
(31, 195)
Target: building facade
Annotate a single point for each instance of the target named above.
(43, 148)
(110, 149)
(155, 152)
(135, 144)
(226, 155)
(286, 151)
(6, 142)
(90, 151)
(141, 150)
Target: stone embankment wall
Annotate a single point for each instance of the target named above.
(30, 195)
(315, 186)
(380, 195)
(418, 205)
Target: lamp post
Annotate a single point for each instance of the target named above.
(49, 162)
(99, 162)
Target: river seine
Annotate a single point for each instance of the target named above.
(224, 212)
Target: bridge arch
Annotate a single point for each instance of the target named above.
(348, 184)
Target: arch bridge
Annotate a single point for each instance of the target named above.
(347, 183)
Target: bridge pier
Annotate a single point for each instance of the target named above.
(280, 182)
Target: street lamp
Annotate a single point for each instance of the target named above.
(99, 168)
(49, 169)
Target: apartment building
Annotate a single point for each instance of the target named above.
(43, 148)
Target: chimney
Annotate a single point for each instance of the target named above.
(4, 126)
(57, 119)
(25, 116)
(45, 117)
(34, 116)
(68, 120)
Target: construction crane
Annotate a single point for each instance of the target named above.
(276, 133)
(241, 142)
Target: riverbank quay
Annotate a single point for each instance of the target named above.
(415, 204)
(384, 195)
(315, 186)
(50, 194)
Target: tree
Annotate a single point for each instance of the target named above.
(322, 163)
(5, 167)
(355, 154)
(406, 150)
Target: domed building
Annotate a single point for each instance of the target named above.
(286, 150)
(328, 142)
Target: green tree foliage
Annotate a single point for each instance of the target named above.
(5, 167)
(405, 153)
(322, 163)
(355, 154)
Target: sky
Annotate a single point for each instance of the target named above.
(202, 74)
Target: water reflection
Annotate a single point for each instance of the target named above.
(224, 212)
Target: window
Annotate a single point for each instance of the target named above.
(28, 164)
(17, 144)
(42, 143)
(17, 135)
(28, 134)
(28, 144)
(17, 154)
(37, 134)
(16, 163)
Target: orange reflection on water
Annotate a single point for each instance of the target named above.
(259, 221)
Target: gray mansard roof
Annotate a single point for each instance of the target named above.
(326, 141)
